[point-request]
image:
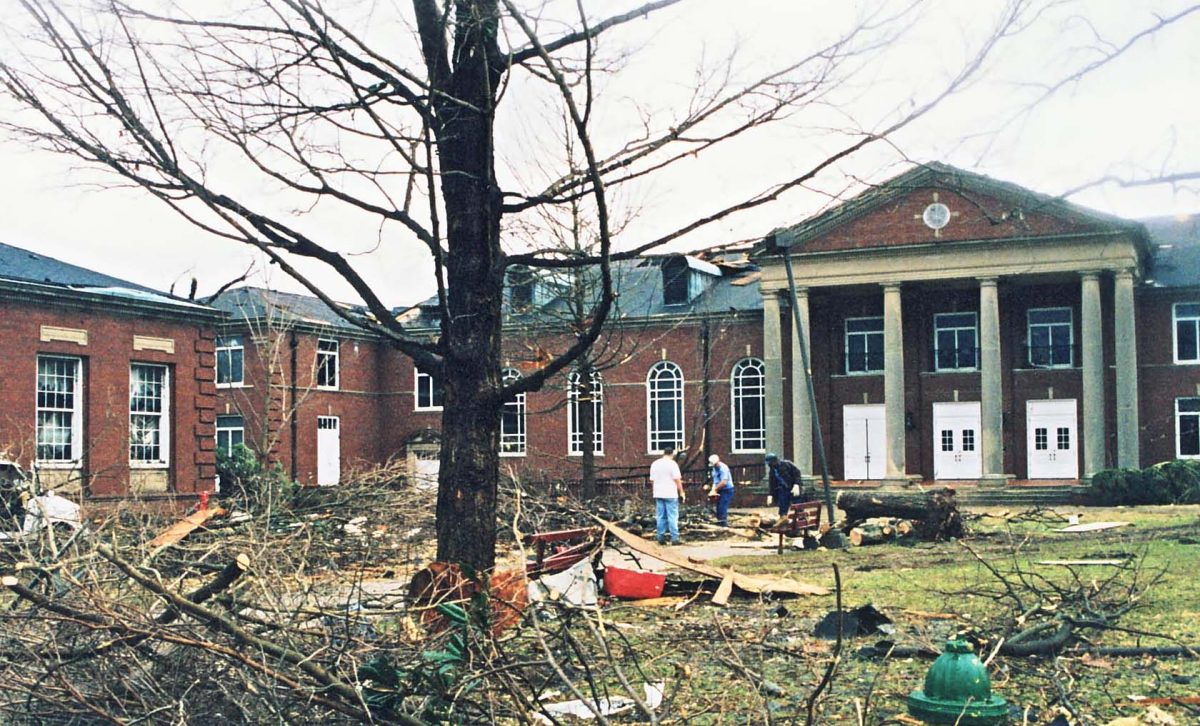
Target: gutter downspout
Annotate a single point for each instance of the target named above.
(293, 346)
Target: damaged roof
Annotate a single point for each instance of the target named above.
(43, 276)
(1174, 251)
(257, 304)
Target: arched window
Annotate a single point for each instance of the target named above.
(747, 389)
(664, 406)
(576, 398)
(512, 419)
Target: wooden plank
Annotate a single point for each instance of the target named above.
(1092, 527)
(724, 590)
(748, 583)
(656, 602)
(1083, 563)
(176, 532)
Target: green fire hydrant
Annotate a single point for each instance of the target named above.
(958, 691)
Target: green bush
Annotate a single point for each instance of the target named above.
(1172, 482)
(245, 479)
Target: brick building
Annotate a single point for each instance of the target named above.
(959, 328)
(106, 387)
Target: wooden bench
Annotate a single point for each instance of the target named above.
(566, 547)
(803, 518)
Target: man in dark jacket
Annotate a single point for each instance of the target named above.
(785, 480)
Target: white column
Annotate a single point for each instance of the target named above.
(990, 382)
(773, 360)
(1093, 376)
(893, 383)
(802, 425)
(1128, 449)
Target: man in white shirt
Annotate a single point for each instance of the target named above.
(667, 485)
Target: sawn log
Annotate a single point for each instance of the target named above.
(934, 513)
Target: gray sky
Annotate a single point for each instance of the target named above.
(1136, 117)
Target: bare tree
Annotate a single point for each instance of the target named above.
(394, 121)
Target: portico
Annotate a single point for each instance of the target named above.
(977, 320)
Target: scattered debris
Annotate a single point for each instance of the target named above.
(574, 586)
(631, 584)
(1084, 563)
(177, 532)
(1092, 527)
(862, 620)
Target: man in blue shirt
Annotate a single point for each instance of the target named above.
(722, 486)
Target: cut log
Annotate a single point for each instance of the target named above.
(904, 528)
(870, 534)
(934, 514)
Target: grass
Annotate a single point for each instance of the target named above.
(718, 659)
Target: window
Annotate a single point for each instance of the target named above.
(1064, 438)
(954, 341)
(512, 419)
(1040, 440)
(149, 401)
(575, 400)
(230, 361)
(676, 279)
(1187, 428)
(664, 403)
(327, 363)
(968, 439)
(864, 345)
(1187, 332)
(59, 409)
(748, 389)
(429, 393)
(231, 431)
(947, 440)
(1050, 338)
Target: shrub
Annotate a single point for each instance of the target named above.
(1171, 482)
(244, 478)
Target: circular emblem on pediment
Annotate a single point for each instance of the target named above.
(936, 216)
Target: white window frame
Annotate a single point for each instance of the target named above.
(1030, 325)
(937, 329)
(1178, 428)
(656, 440)
(739, 389)
(228, 430)
(336, 356)
(163, 415)
(513, 443)
(846, 333)
(226, 345)
(421, 379)
(574, 435)
(76, 412)
(1176, 318)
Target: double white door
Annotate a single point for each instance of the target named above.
(956, 441)
(1051, 439)
(864, 450)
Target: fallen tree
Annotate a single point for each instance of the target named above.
(934, 513)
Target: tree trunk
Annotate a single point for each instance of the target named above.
(934, 513)
(870, 534)
(471, 347)
(587, 429)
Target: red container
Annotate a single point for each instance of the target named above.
(632, 584)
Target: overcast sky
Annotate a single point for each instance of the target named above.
(1135, 117)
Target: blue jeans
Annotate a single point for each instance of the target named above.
(783, 499)
(723, 506)
(666, 511)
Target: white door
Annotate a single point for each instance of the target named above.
(425, 468)
(1050, 432)
(329, 451)
(956, 428)
(864, 441)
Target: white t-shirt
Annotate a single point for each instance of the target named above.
(663, 474)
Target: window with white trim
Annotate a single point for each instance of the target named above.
(429, 393)
(1187, 428)
(664, 407)
(327, 364)
(864, 345)
(1187, 332)
(149, 408)
(955, 339)
(59, 409)
(230, 361)
(231, 431)
(576, 398)
(512, 418)
(1051, 338)
(748, 401)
